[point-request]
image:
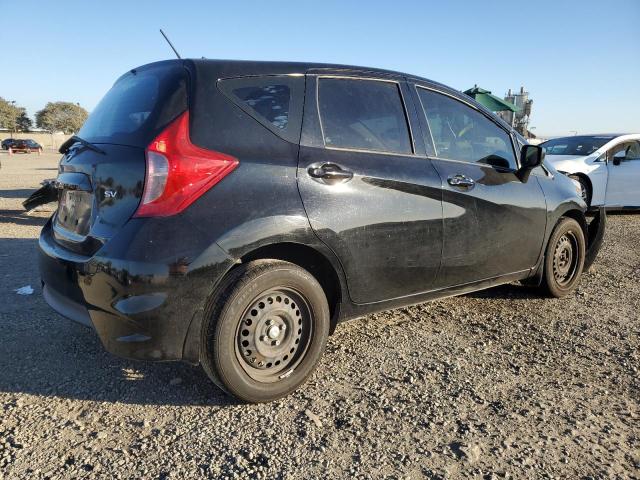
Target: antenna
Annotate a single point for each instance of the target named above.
(170, 44)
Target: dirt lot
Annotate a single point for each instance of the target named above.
(498, 384)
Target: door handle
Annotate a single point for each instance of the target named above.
(460, 180)
(330, 171)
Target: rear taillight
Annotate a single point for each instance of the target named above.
(179, 172)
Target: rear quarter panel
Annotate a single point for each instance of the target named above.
(258, 204)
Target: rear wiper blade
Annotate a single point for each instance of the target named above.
(64, 148)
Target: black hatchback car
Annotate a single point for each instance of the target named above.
(231, 213)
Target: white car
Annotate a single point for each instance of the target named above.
(607, 167)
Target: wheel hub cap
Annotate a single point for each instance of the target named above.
(274, 332)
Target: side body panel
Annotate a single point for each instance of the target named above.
(494, 227)
(623, 185)
(385, 223)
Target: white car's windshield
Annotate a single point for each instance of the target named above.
(578, 145)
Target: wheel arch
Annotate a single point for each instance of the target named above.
(578, 216)
(588, 181)
(328, 274)
(312, 260)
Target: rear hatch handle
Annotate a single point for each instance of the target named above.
(73, 181)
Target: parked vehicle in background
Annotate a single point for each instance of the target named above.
(7, 142)
(202, 218)
(607, 167)
(25, 146)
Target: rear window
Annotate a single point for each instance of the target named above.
(138, 106)
(273, 100)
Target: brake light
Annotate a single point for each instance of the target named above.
(179, 172)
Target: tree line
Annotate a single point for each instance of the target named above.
(64, 117)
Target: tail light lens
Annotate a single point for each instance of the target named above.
(179, 172)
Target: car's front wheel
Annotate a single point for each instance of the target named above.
(564, 258)
(266, 332)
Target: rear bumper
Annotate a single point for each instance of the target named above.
(66, 307)
(141, 309)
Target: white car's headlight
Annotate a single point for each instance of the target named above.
(577, 186)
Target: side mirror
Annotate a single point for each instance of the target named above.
(619, 157)
(531, 156)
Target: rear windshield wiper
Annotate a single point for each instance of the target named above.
(64, 148)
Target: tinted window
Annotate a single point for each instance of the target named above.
(578, 145)
(271, 102)
(138, 106)
(363, 115)
(462, 133)
(274, 100)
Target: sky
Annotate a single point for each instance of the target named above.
(579, 59)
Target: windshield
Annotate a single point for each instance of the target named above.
(583, 145)
(138, 106)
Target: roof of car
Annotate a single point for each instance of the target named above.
(609, 136)
(229, 68)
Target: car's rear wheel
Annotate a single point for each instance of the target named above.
(267, 330)
(585, 188)
(564, 258)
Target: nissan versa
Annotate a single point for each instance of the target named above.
(231, 213)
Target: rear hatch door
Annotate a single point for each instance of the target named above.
(100, 182)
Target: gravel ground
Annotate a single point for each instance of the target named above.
(497, 384)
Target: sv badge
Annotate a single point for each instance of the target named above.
(110, 193)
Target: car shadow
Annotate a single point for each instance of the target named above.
(20, 217)
(45, 354)
(510, 291)
(630, 211)
(20, 193)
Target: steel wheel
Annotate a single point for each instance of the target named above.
(273, 335)
(565, 260)
(266, 331)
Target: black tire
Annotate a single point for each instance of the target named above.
(585, 187)
(267, 330)
(564, 258)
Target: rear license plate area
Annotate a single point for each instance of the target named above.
(74, 211)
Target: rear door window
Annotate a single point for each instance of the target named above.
(273, 100)
(363, 115)
(462, 133)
